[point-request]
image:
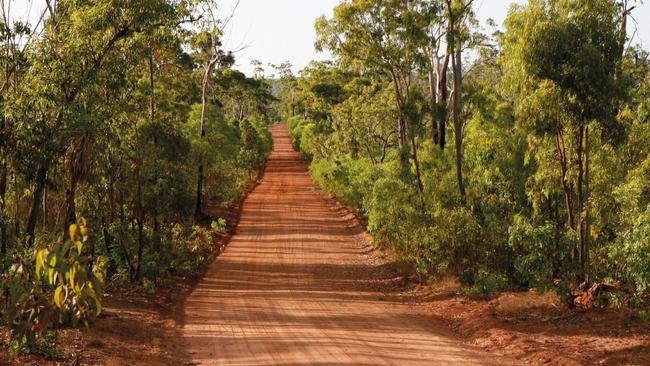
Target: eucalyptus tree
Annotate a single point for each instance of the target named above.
(11, 63)
(243, 96)
(372, 37)
(458, 11)
(66, 63)
(561, 58)
(211, 55)
(379, 39)
(431, 24)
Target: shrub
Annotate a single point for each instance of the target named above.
(67, 272)
(55, 287)
(543, 254)
(486, 284)
(631, 252)
(219, 226)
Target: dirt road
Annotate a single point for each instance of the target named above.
(293, 288)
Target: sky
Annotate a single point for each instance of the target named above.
(275, 31)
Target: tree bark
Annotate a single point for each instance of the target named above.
(16, 205)
(457, 67)
(458, 128)
(587, 230)
(41, 176)
(111, 191)
(70, 207)
(152, 113)
(3, 203)
(416, 162)
(433, 91)
(140, 222)
(44, 218)
(581, 197)
(123, 234)
(441, 101)
(568, 190)
(198, 211)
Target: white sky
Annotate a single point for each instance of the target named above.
(274, 31)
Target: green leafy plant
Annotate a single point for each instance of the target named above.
(219, 226)
(55, 287)
(486, 284)
(66, 272)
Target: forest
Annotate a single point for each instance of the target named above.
(511, 157)
(122, 120)
(523, 165)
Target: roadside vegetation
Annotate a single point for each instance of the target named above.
(120, 121)
(512, 159)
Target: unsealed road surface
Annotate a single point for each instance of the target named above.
(293, 288)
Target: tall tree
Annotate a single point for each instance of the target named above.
(457, 35)
(208, 43)
(562, 57)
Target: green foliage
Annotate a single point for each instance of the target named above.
(631, 252)
(542, 254)
(486, 284)
(65, 270)
(190, 248)
(60, 287)
(103, 121)
(27, 309)
(219, 225)
(148, 286)
(556, 181)
(231, 152)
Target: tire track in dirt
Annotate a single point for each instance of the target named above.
(292, 288)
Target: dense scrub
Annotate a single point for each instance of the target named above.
(526, 166)
(126, 114)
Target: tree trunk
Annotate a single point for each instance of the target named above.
(44, 218)
(581, 196)
(433, 96)
(457, 67)
(70, 207)
(198, 211)
(568, 190)
(76, 169)
(111, 192)
(152, 113)
(3, 182)
(416, 162)
(458, 128)
(587, 230)
(140, 222)
(41, 176)
(122, 233)
(3, 203)
(107, 238)
(441, 101)
(16, 206)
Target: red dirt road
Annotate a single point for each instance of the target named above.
(294, 288)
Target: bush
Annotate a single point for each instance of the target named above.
(55, 287)
(219, 226)
(630, 254)
(486, 284)
(543, 255)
